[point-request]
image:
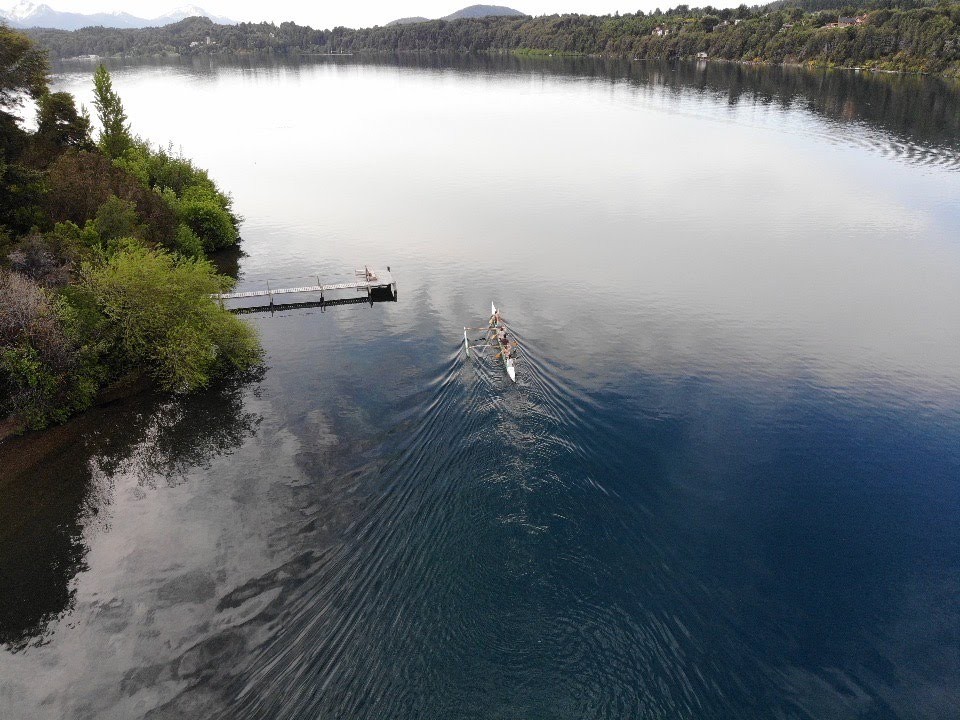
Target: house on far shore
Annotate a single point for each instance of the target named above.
(849, 21)
(701, 55)
(660, 31)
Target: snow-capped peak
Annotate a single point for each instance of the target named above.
(24, 9)
(186, 11)
(28, 14)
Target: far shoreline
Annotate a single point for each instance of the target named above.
(519, 53)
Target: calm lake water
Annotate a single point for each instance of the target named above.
(726, 484)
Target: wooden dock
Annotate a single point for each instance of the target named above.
(376, 286)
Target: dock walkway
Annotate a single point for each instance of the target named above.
(379, 286)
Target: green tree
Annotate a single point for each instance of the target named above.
(115, 136)
(22, 198)
(709, 22)
(23, 73)
(59, 126)
(23, 69)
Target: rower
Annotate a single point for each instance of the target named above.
(495, 319)
(501, 335)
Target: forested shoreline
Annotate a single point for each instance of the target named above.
(891, 35)
(103, 253)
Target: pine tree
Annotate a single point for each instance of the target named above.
(115, 136)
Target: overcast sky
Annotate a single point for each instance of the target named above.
(351, 13)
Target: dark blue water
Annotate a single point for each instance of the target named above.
(668, 547)
(726, 484)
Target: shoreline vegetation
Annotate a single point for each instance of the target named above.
(105, 279)
(915, 36)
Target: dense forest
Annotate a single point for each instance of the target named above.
(903, 35)
(103, 273)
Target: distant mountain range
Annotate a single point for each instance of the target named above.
(474, 11)
(29, 15)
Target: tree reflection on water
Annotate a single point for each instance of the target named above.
(55, 484)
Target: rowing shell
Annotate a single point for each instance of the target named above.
(491, 327)
(508, 361)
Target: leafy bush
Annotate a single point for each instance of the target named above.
(49, 258)
(81, 182)
(162, 168)
(157, 308)
(189, 192)
(188, 244)
(45, 374)
(39, 258)
(210, 223)
(117, 219)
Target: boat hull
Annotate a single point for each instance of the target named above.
(508, 362)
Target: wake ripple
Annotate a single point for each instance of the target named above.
(484, 575)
